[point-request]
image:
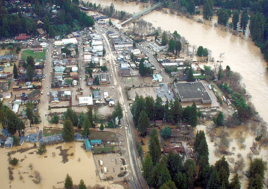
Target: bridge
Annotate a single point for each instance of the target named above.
(139, 14)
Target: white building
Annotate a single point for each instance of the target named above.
(136, 52)
(85, 101)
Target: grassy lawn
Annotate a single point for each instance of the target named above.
(102, 150)
(39, 55)
(50, 132)
(102, 135)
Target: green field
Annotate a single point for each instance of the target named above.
(102, 135)
(39, 55)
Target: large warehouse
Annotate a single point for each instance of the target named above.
(192, 92)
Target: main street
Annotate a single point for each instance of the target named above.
(135, 175)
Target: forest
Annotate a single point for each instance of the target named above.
(68, 17)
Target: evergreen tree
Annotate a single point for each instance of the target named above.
(169, 185)
(51, 32)
(244, 20)
(166, 132)
(153, 179)
(214, 181)
(174, 164)
(191, 7)
(190, 173)
(223, 17)
(143, 123)
(68, 184)
(15, 71)
(29, 111)
(137, 107)
(190, 74)
(150, 109)
(171, 45)
(207, 10)
(154, 149)
(186, 114)
(223, 176)
(202, 149)
(205, 52)
(119, 110)
(11, 123)
(82, 185)
(101, 127)
(147, 167)
(164, 38)
(235, 183)
(235, 19)
(204, 171)
(159, 109)
(30, 73)
(90, 114)
(256, 182)
(220, 73)
(68, 130)
(86, 126)
(193, 116)
(178, 47)
(257, 167)
(177, 111)
(200, 51)
(222, 163)
(180, 180)
(219, 119)
(163, 175)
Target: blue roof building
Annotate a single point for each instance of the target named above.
(88, 145)
(93, 142)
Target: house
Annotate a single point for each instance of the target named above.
(37, 50)
(22, 36)
(174, 148)
(90, 81)
(148, 130)
(96, 95)
(124, 69)
(104, 78)
(59, 69)
(94, 142)
(9, 142)
(88, 145)
(6, 95)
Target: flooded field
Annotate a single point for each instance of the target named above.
(79, 165)
(236, 142)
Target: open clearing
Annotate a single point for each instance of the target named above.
(40, 55)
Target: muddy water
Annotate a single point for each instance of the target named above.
(241, 55)
(235, 148)
(51, 168)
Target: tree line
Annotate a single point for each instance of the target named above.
(68, 18)
(147, 109)
(171, 172)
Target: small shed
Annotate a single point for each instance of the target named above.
(88, 146)
(93, 142)
(9, 142)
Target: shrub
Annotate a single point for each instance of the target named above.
(14, 161)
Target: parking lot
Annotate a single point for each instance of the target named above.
(148, 91)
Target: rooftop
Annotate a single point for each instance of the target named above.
(192, 91)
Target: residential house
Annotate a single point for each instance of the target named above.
(90, 81)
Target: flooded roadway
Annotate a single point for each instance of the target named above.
(241, 55)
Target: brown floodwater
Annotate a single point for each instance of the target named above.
(52, 170)
(240, 54)
(238, 149)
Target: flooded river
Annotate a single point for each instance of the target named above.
(53, 171)
(241, 55)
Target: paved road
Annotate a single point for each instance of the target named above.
(135, 175)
